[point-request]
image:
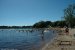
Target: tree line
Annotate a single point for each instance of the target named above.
(47, 24)
(14, 27)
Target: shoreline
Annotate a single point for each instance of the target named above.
(52, 40)
(53, 45)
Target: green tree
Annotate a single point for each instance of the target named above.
(59, 24)
(42, 24)
(69, 15)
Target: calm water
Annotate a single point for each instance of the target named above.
(24, 40)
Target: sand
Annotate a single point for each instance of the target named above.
(59, 42)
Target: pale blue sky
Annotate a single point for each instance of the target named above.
(28, 12)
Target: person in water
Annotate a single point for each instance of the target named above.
(42, 34)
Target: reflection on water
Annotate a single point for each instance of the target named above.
(24, 39)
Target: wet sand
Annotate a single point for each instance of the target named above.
(55, 43)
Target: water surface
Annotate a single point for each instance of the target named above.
(23, 40)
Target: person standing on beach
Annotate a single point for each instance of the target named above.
(67, 31)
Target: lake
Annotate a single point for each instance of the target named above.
(21, 39)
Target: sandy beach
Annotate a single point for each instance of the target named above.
(62, 41)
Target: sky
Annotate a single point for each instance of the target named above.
(28, 12)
